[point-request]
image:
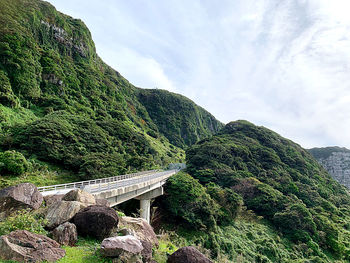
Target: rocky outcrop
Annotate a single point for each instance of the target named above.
(61, 212)
(50, 199)
(102, 202)
(188, 255)
(125, 248)
(24, 246)
(96, 221)
(336, 161)
(143, 231)
(21, 196)
(65, 234)
(80, 196)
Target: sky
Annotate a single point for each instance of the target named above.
(284, 64)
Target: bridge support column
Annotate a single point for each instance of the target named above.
(145, 202)
(145, 209)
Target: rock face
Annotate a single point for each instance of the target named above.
(80, 196)
(50, 199)
(96, 221)
(336, 161)
(143, 231)
(126, 248)
(24, 246)
(188, 255)
(65, 234)
(61, 212)
(102, 202)
(20, 196)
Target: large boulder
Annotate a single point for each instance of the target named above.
(21, 196)
(143, 231)
(61, 212)
(127, 249)
(96, 221)
(102, 202)
(65, 234)
(51, 199)
(81, 196)
(24, 246)
(188, 255)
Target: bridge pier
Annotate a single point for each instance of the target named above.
(145, 202)
(145, 209)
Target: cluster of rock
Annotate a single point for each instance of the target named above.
(125, 239)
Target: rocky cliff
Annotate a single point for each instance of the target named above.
(336, 161)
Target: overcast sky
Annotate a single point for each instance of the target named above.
(281, 64)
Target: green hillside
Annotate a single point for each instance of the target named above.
(62, 107)
(288, 192)
(177, 117)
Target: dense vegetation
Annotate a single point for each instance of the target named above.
(177, 117)
(62, 105)
(286, 189)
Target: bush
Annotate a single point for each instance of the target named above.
(13, 163)
(23, 220)
(187, 199)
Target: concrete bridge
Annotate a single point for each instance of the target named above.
(142, 186)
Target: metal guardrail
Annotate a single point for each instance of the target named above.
(82, 184)
(108, 183)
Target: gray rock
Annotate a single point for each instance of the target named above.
(24, 246)
(125, 248)
(102, 202)
(143, 231)
(50, 199)
(188, 255)
(21, 196)
(80, 196)
(65, 234)
(96, 221)
(61, 212)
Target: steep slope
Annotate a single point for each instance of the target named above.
(277, 180)
(61, 104)
(177, 117)
(336, 161)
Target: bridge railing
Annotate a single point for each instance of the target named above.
(82, 184)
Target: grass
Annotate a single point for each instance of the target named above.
(86, 250)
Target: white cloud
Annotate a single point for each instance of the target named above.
(281, 64)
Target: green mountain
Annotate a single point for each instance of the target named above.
(177, 117)
(247, 174)
(62, 105)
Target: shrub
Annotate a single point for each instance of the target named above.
(187, 199)
(23, 220)
(13, 163)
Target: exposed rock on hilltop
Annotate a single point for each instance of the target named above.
(336, 161)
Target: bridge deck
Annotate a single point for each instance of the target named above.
(106, 184)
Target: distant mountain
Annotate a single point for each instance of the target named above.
(336, 161)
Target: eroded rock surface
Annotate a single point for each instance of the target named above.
(61, 212)
(96, 221)
(65, 234)
(80, 196)
(24, 246)
(21, 196)
(188, 255)
(125, 248)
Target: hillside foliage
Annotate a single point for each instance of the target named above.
(62, 105)
(278, 181)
